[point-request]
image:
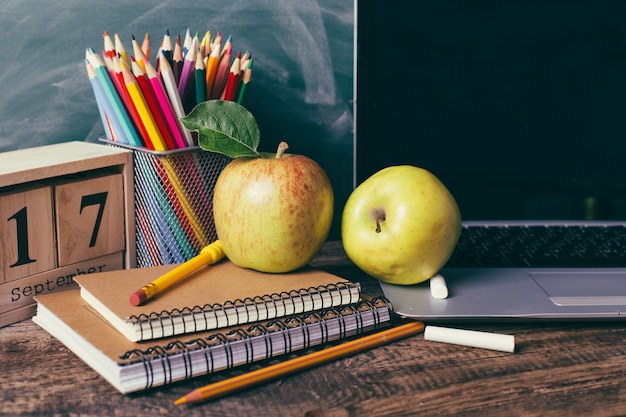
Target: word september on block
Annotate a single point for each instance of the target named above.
(23, 291)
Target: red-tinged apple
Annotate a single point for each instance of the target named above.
(272, 213)
(400, 225)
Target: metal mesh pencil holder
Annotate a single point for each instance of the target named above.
(174, 203)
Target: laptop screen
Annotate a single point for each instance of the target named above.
(519, 107)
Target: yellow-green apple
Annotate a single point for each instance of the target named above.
(400, 225)
(272, 213)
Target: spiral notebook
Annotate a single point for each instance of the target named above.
(133, 366)
(213, 297)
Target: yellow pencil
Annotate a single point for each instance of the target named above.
(121, 51)
(205, 45)
(301, 363)
(140, 57)
(210, 254)
(134, 90)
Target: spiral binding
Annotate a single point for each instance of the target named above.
(239, 311)
(175, 361)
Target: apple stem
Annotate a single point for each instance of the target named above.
(282, 147)
(380, 216)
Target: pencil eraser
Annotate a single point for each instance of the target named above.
(438, 287)
(138, 298)
(472, 338)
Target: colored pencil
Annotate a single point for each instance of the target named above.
(186, 88)
(232, 85)
(245, 81)
(191, 179)
(102, 102)
(181, 198)
(245, 60)
(145, 46)
(118, 76)
(205, 44)
(109, 64)
(217, 40)
(186, 42)
(178, 231)
(109, 47)
(199, 79)
(148, 217)
(177, 59)
(163, 204)
(145, 240)
(172, 91)
(153, 104)
(143, 110)
(166, 229)
(221, 75)
(140, 57)
(212, 63)
(116, 103)
(227, 45)
(301, 363)
(173, 123)
(107, 114)
(121, 51)
(166, 46)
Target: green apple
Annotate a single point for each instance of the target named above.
(272, 213)
(400, 225)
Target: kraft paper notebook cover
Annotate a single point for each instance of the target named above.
(136, 366)
(215, 296)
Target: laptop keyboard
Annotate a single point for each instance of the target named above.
(540, 246)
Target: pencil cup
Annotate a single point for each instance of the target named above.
(173, 202)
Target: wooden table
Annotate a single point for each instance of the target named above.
(557, 369)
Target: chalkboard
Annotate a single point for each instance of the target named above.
(302, 88)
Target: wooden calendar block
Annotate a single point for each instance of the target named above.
(26, 231)
(65, 209)
(89, 212)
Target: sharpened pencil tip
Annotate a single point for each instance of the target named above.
(180, 401)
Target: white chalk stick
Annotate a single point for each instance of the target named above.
(438, 287)
(484, 340)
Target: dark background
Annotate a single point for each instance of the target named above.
(301, 91)
(518, 106)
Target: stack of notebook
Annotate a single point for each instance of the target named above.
(219, 317)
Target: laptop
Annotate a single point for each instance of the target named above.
(519, 107)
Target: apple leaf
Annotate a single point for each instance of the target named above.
(224, 127)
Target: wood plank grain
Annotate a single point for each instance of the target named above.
(558, 369)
